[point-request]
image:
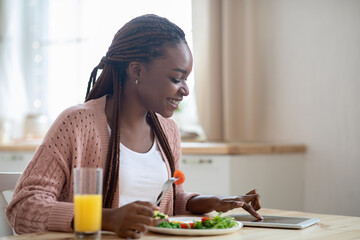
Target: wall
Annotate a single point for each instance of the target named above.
(308, 63)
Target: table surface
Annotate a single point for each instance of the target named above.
(330, 227)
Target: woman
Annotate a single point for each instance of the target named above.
(126, 110)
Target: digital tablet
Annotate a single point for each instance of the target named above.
(275, 221)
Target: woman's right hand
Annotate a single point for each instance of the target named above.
(128, 221)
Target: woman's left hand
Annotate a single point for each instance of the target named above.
(204, 204)
(249, 202)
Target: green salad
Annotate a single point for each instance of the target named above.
(217, 222)
(158, 214)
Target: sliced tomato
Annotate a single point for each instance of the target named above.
(192, 225)
(184, 225)
(205, 218)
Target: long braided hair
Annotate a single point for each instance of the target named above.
(142, 39)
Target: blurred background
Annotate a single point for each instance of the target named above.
(49, 48)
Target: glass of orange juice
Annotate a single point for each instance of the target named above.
(87, 202)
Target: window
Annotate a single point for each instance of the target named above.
(63, 40)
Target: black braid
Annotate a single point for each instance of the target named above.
(154, 121)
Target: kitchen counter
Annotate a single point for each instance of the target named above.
(240, 148)
(195, 147)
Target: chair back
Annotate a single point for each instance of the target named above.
(8, 182)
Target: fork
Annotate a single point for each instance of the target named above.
(166, 186)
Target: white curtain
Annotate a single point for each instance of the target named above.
(12, 85)
(226, 84)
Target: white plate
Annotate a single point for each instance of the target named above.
(193, 232)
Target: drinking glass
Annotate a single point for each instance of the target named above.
(87, 202)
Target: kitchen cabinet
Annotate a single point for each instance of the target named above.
(14, 161)
(207, 174)
(277, 177)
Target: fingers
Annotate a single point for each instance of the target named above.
(155, 208)
(135, 231)
(252, 211)
(252, 192)
(144, 220)
(133, 219)
(249, 197)
(148, 204)
(139, 228)
(255, 203)
(144, 208)
(253, 198)
(228, 204)
(130, 234)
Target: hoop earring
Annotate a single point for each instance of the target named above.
(136, 81)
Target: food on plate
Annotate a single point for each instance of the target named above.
(216, 222)
(179, 174)
(159, 218)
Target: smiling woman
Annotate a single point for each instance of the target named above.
(130, 101)
(123, 128)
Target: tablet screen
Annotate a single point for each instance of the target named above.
(275, 221)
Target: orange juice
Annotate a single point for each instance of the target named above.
(88, 209)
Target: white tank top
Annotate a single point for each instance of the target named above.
(141, 175)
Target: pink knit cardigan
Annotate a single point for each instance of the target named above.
(43, 198)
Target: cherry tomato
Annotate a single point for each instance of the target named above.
(184, 225)
(179, 174)
(204, 219)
